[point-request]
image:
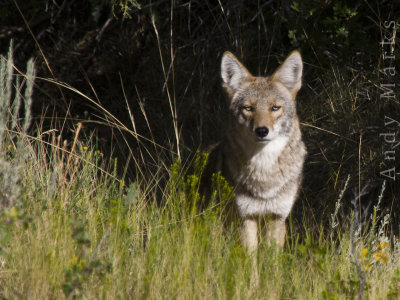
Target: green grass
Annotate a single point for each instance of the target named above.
(87, 238)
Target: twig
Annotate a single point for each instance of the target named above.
(73, 147)
(360, 273)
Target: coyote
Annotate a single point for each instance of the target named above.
(262, 154)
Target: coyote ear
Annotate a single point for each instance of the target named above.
(290, 73)
(232, 72)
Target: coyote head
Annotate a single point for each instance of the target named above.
(262, 108)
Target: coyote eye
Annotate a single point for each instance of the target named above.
(247, 108)
(275, 108)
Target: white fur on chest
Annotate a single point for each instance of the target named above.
(260, 167)
(260, 178)
(261, 163)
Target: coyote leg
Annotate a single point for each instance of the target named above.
(275, 231)
(248, 234)
(249, 238)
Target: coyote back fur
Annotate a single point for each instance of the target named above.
(262, 154)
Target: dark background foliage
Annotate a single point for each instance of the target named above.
(116, 50)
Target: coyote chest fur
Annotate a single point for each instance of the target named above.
(262, 154)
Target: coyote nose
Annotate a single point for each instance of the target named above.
(261, 131)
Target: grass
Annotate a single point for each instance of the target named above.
(71, 226)
(83, 236)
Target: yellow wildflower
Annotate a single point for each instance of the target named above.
(384, 260)
(383, 245)
(364, 252)
(368, 267)
(381, 257)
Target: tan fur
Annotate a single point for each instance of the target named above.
(262, 154)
